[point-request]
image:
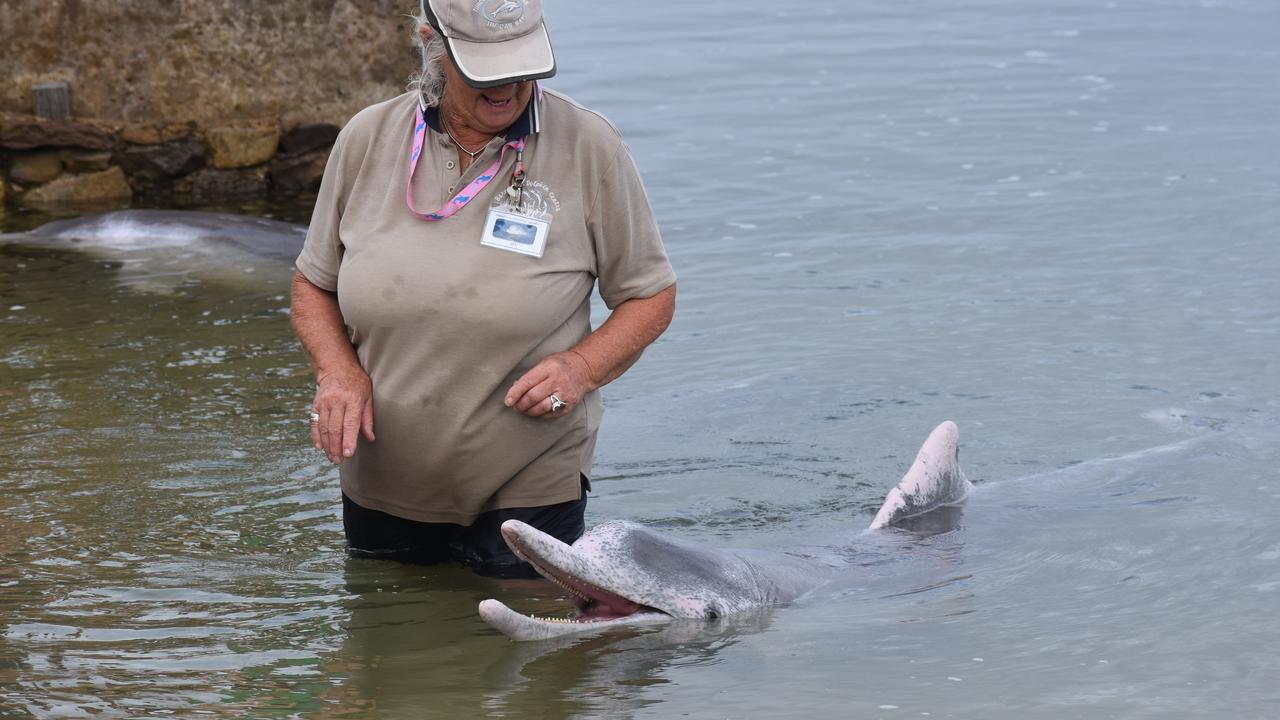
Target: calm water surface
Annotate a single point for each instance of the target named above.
(1052, 222)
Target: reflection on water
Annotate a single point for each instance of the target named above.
(1049, 223)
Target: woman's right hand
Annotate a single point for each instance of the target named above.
(344, 401)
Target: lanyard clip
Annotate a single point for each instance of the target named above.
(516, 191)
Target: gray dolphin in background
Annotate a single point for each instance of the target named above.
(622, 573)
(142, 229)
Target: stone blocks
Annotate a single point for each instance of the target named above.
(26, 132)
(44, 162)
(150, 163)
(35, 167)
(81, 189)
(239, 147)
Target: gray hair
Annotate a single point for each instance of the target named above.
(429, 81)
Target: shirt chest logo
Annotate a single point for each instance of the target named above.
(540, 200)
(535, 199)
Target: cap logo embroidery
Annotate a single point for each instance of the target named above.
(500, 13)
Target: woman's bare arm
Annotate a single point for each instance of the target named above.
(344, 393)
(599, 359)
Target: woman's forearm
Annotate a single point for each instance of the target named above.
(318, 323)
(618, 343)
(343, 405)
(567, 377)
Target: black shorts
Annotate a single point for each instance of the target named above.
(479, 546)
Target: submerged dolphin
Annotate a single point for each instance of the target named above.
(621, 573)
(140, 229)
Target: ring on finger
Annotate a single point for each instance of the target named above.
(556, 403)
(315, 417)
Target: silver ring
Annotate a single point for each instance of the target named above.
(556, 403)
(315, 418)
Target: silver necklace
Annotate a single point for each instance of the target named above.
(461, 147)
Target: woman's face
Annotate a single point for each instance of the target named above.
(485, 110)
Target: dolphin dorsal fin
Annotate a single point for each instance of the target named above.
(934, 480)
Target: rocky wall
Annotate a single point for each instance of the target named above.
(49, 163)
(194, 99)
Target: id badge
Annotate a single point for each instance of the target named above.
(516, 232)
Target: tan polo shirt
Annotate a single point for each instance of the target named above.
(444, 325)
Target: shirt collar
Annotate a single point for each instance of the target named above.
(529, 122)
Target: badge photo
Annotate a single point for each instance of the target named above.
(515, 232)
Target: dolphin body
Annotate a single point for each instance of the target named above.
(622, 573)
(142, 229)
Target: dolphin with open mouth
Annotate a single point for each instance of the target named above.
(621, 573)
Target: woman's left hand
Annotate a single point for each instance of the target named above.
(564, 374)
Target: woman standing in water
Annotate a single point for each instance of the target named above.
(444, 290)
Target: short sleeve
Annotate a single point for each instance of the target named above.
(630, 259)
(322, 252)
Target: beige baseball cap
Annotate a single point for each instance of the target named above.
(493, 42)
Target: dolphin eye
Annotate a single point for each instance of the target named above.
(712, 614)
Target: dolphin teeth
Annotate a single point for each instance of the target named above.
(565, 621)
(570, 588)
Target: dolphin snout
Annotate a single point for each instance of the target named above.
(526, 540)
(511, 530)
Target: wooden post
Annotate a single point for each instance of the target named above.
(51, 100)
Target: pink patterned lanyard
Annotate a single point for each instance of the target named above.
(473, 188)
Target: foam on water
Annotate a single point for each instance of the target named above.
(129, 234)
(128, 230)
